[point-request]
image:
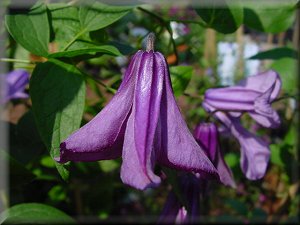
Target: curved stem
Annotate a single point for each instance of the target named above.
(16, 60)
(200, 23)
(109, 89)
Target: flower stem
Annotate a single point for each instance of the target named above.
(150, 42)
(16, 60)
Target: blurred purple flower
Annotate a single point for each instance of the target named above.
(206, 134)
(174, 211)
(15, 83)
(253, 95)
(143, 124)
(255, 152)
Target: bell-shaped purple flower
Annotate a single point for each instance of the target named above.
(206, 134)
(253, 95)
(255, 152)
(143, 124)
(15, 83)
(174, 211)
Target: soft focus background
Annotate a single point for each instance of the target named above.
(205, 46)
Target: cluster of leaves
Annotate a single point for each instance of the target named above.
(72, 50)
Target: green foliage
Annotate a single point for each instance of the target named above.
(57, 91)
(276, 53)
(180, 77)
(258, 17)
(34, 213)
(287, 68)
(223, 16)
(31, 29)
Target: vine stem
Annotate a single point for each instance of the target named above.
(109, 89)
(16, 60)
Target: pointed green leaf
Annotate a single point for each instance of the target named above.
(57, 91)
(31, 29)
(34, 213)
(224, 16)
(87, 49)
(271, 18)
(97, 15)
(276, 53)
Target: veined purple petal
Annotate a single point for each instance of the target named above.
(263, 82)
(253, 95)
(175, 145)
(138, 158)
(206, 135)
(255, 152)
(231, 98)
(16, 82)
(102, 137)
(264, 114)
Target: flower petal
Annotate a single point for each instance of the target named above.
(16, 82)
(206, 135)
(255, 152)
(176, 146)
(102, 137)
(138, 154)
(262, 82)
(231, 98)
(264, 114)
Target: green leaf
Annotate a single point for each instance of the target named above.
(108, 165)
(224, 16)
(231, 160)
(276, 53)
(180, 77)
(287, 69)
(271, 18)
(57, 91)
(70, 23)
(89, 49)
(31, 30)
(97, 15)
(34, 213)
(65, 24)
(276, 155)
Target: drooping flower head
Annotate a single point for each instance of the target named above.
(206, 135)
(15, 83)
(253, 95)
(143, 124)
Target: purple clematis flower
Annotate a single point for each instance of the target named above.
(174, 211)
(15, 83)
(206, 135)
(143, 124)
(253, 95)
(255, 152)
